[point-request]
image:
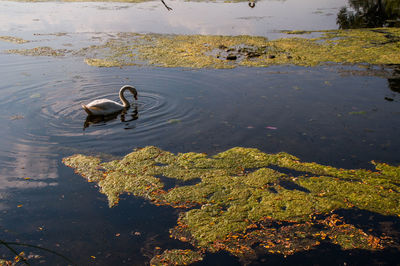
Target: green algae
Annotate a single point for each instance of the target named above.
(102, 62)
(13, 39)
(373, 46)
(239, 191)
(297, 32)
(357, 113)
(355, 46)
(39, 51)
(177, 257)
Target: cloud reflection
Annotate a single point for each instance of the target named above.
(28, 166)
(185, 18)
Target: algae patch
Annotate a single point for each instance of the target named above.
(356, 46)
(39, 51)
(244, 205)
(177, 257)
(13, 39)
(373, 46)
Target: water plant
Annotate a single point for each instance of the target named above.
(355, 46)
(243, 201)
(374, 46)
(13, 39)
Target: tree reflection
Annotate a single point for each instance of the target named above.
(394, 81)
(369, 14)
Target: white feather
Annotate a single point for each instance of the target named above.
(106, 106)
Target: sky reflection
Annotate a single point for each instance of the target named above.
(28, 166)
(264, 19)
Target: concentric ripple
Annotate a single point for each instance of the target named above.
(43, 116)
(152, 111)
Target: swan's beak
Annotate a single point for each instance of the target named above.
(135, 97)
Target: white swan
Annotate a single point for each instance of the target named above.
(106, 106)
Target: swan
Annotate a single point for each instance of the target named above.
(106, 106)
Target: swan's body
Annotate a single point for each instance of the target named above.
(107, 107)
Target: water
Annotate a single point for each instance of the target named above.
(185, 18)
(324, 114)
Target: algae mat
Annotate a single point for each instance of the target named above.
(241, 200)
(356, 46)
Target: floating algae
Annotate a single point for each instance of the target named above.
(373, 46)
(357, 46)
(177, 257)
(243, 205)
(13, 39)
(39, 51)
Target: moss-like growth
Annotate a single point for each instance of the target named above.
(177, 257)
(101, 62)
(297, 32)
(39, 51)
(372, 46)
(13, 39)
(239, 196)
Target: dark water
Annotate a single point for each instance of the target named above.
(318, 114)
(338, 115)
(369, 14)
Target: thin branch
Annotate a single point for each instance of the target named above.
(33, 246)
(14, 251)
(166, 5)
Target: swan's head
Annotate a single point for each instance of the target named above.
(131, 89)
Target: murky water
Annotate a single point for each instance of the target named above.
(325, 114)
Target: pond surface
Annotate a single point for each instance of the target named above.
(264, 19)
(343, 116)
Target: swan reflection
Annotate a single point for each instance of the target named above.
(252, 3)
(102, 119)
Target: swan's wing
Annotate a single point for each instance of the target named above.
(104, 104)
(103, 107)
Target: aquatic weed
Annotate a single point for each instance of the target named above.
(241, 202)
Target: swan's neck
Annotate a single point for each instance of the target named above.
(124, 101)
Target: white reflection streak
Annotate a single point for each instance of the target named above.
(34, 163)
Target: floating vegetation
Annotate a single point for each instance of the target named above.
(297, 32)
(177, 257)
(102, 62)
(243, 206)
(13, 39)
(16, 117)
(357, 113)
(39, 51)
(374, 46)
(357, 46)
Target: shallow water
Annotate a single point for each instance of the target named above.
(324, 114)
